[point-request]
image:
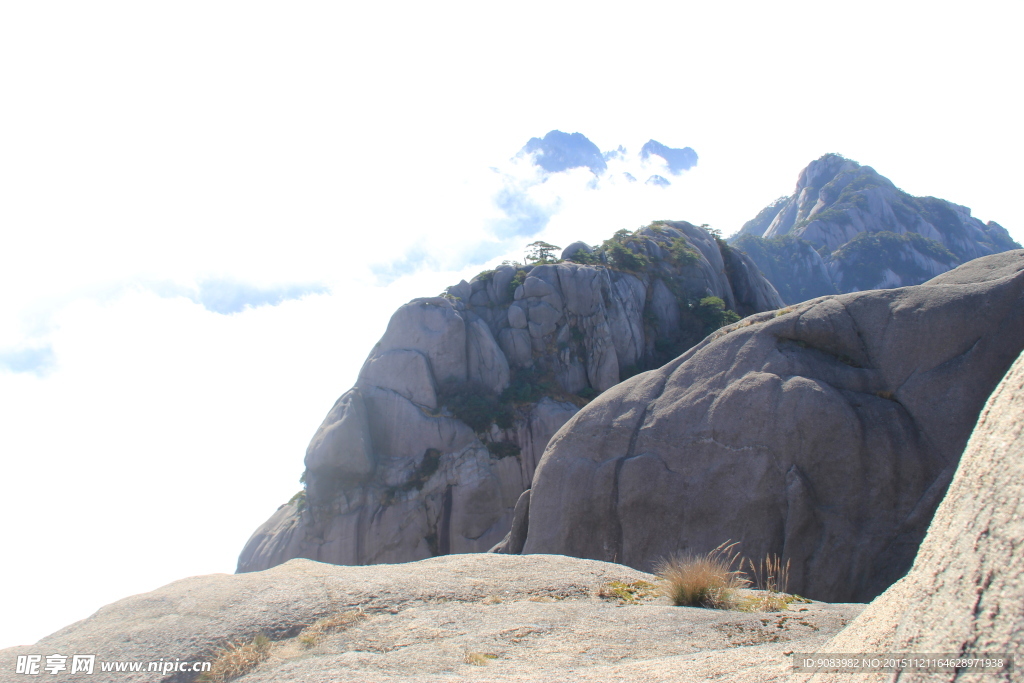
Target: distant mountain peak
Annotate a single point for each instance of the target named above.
(678, 160)
(848, 228)
(558, 151)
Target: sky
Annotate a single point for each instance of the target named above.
(209, 211)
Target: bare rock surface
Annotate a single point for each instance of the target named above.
(395, 473)
(826, 433)
(537, 618)
(965, 592)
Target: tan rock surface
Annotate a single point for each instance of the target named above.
(536, 618)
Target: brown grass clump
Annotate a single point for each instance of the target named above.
(703, 580)
(479, 658)
(313, 634)
(772, 577)
(237, 659)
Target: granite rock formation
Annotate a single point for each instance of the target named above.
(826, 433)
(846, 229)
(431, 450)
(965, 592)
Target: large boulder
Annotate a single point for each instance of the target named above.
(826, 433)
(965, 592)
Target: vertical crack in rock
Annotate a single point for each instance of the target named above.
(444, 532)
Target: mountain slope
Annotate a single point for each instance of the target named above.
(429, 452)
(866, 232)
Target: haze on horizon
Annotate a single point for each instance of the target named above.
(210, 211)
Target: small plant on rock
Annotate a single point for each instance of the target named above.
(237, 659)
(479, 658)
(710, 580)
(313, 634)
(628, 593)
(772, 577)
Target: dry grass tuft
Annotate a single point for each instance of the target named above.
(771, 577)
(479, 658)
(492, 600)
(320, 629)
(703, 580)
(770, 574)
(237, 659)
(628, 593)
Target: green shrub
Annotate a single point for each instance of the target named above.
(475, 405)
(299, 499)
(528, 385)
(586, 258)
(517, 279)
(632, 593)
(682, 253)
(711, 311)
(624, 258)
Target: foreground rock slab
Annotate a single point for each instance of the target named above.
(537, 618)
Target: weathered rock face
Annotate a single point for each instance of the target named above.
(965, 592)
(395, 474)
(870, 234)
(826, 433)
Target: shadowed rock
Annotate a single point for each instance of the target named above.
(826, 433)
(965, 592)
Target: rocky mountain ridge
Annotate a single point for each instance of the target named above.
(825, 433)
(847, 228)
(431, 450)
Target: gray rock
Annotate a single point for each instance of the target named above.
(341, 447)
(487, 365)
(433, 327)
(826, 433)
(513, 542)
(405, 371)
(534, 286)
(965, 592)
(426, 483)
(463, 290)
(516, 345)
(517, 316)
(537, 619)
(543, 319)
